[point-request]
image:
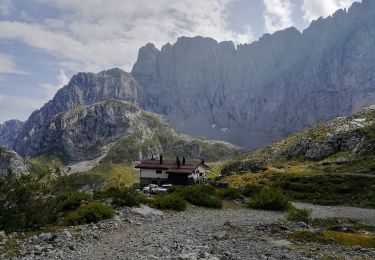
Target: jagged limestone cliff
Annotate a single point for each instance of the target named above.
(9, 132)
(83, 89)
(123, 132)
(254, 94)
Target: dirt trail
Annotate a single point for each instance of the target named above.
(365, 215)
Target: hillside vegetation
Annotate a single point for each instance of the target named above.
(331, 163)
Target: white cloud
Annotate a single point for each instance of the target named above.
(6, 7)
(99, 34)
(17, 106)
(314, 9)
(278, 15)
(8, 66)
(51, 89)
(20, 106)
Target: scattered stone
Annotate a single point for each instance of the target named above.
(283, 228)
(146, 211)
(262, 227)
(228, 224)
(48, 237)
(220, 235)
(3, 235)
(303, 224)
(67, 234)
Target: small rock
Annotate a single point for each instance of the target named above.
(72, 247)
(67, 234)
(262, 227)
(220, 235)
(166, 250)
(302, 224)
(48, 237)
(283, 228)
(228, 224)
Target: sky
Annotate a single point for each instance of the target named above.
(44, 42)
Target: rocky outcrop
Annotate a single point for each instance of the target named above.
(83, 89)
(120, 129)
(352, 137)
(9, 132)
(11, 162)
(254, 94)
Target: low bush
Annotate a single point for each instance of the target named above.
(70, 201)
(89, 213)
(24, 204)
(269, 199)
(200, 195)
(251, 190)
(171, 202)
(295, 214)
(228, 194)
(121, 196)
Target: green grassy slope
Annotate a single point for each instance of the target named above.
(332, 163)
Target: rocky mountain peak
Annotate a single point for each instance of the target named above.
(9, 131)
(83, 89)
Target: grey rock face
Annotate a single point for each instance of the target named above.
(259, 92)
(11, 162)
(83, 89)
(9, 131)
(81, 134)
(118, 130)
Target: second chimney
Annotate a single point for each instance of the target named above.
(183, 160)
(161, 159)
(178, 162)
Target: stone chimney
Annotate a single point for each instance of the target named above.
(178, 162)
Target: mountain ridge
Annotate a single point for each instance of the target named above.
(251, 91)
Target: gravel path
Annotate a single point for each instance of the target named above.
(365, 215)
(146, 233)
(197, 234)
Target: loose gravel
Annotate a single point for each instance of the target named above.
(145, 233)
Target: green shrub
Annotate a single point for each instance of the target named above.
(70, 201)
(295, 214)
(251, 190)
(269, 199)
(200, 195)
(170, 201)
(228, 194)
(121, 196)
(24, 204)
(89, 213)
